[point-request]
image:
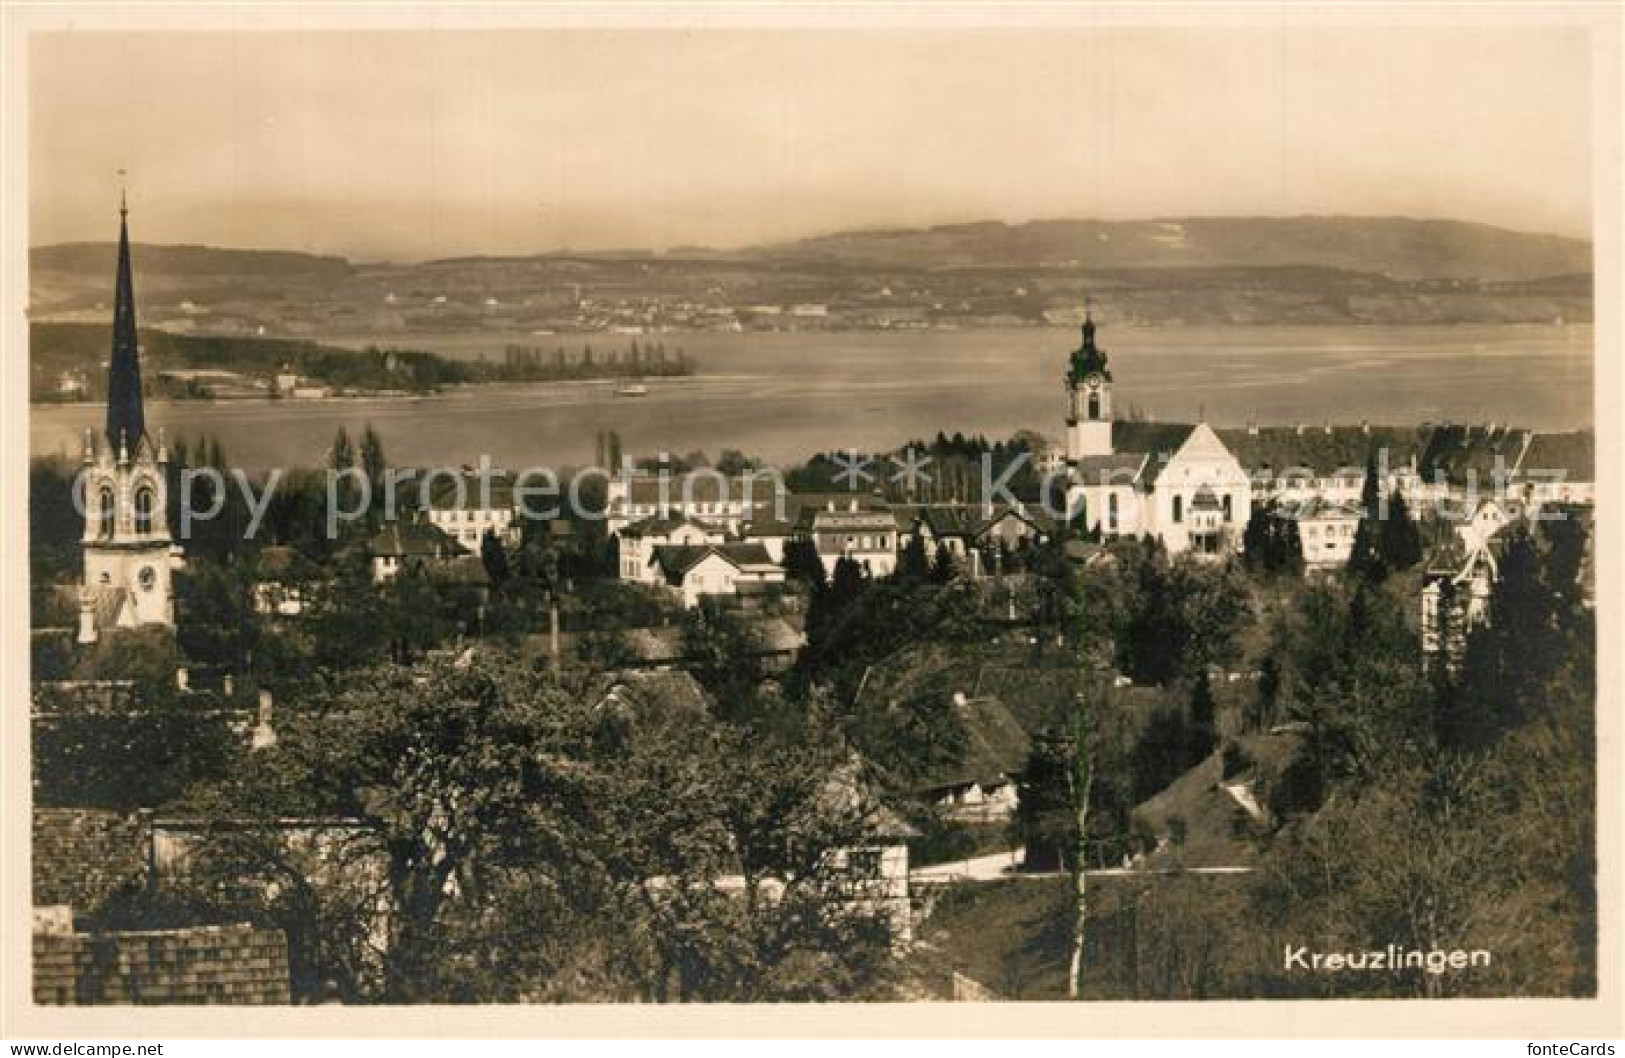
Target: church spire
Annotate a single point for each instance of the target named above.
(126, 420)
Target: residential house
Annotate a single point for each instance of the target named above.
(696, 571)
(1455, 598)
(637, 541)
(707, 495)
(976, 535)
(1557, 468)
(981, 786)
(1326, 530)
(849, 525)
(466, 508)
(399, 546)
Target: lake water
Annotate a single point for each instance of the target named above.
(785, 396)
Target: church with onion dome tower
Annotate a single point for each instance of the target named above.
(126, 545)
(1175, 482)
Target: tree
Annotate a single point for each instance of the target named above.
(1204, 732)
(1163, 751)
(495, 559)
(943, 566)
(342, 455)
(1045, 822)
(725, 653)
(1366, 559)
(847, 583)
(1183, 617)
(452, 765)
(912, 561)
(374, 464)
(801, 562)
(1401, 540)
(1513, 656)
(1082, 775)
(217, 626)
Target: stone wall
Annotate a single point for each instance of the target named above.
(237, 965)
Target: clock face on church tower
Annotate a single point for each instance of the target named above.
(1092, 381)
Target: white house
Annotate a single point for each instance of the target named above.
(638, 540)
(695, 571)
(1487, 519)
(723, 500)
(1326, 531)
(466, 509)
(850, 525)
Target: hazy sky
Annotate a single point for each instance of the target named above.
(418, 144)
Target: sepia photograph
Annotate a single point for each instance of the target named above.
(871, 510)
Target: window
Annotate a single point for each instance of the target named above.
(864, 863)
(104, 512)
(1179, 509)
(1094, 405)
(1227, 514)
(1111, 512)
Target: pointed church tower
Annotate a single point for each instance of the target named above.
(1089, 399)
(126, 543)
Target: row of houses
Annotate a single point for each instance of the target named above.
(705, 535)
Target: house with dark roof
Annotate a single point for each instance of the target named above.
(769, 530)
(1292, 464)
(974, 533)
(637, 540)
(980, 787)
(1558, 468)
(1455, 597)
(407, 546)
(467, 506)
(695, 571)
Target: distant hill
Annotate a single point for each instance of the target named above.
(1244, 271)
(99, 258)
(1397, 247)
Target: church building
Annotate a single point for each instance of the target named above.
(1177, 483)
(126, 544)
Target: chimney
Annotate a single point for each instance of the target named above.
(1300, 429)
(1328, 427)
(228, 685)
(1365, 427)
(1252, 428)
(183, 679)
